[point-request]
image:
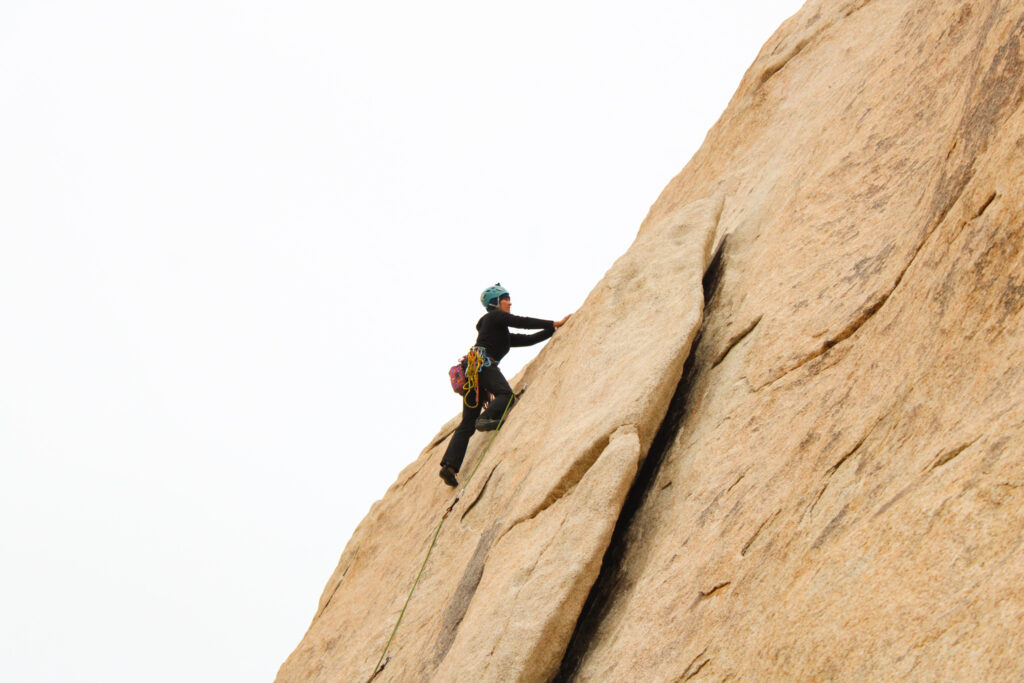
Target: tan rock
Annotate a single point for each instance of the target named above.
(843, 500)
(538, 575)
(535, 488)
(836, 489)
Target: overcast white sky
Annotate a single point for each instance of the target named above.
(240, 245)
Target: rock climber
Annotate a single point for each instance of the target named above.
(493, 341)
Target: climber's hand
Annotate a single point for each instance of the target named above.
(561, 322)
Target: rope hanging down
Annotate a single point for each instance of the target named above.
(381, 663)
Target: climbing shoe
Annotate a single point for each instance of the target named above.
(484, 424)
(448, 474)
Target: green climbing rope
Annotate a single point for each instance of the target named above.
(433, 542)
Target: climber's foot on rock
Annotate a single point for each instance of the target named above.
(448, 474)
(485, 424)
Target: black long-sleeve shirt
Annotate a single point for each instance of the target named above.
(493, 333)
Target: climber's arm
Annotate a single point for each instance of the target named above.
(530, 339)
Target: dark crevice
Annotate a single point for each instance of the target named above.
(712, 280)
(599, 600)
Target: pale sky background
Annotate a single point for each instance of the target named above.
(240, 245)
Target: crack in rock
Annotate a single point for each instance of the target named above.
(839, 463)
(547, 563)
(816, 499)
(693, 668)
(985, 205)
(735, 341)
(944, 457)
(952, 189)
(572, 477)
(480, 493)
(767, 522)
(867, 312)
(704, 595)
(597, 603)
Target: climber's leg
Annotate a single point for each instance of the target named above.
(492, 381)
(456, 451)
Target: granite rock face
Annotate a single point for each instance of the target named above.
(810, 465)
(516, 559)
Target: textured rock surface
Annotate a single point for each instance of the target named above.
(516, 560)
(838, 489)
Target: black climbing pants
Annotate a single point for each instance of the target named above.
(491, 382)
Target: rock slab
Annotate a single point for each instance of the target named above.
(842, 495)
(516, 559)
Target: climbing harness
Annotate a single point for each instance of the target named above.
(465, 375)
(381, 663)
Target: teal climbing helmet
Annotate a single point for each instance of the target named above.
(492, 295)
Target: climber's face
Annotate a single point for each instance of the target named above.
(505, 304)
